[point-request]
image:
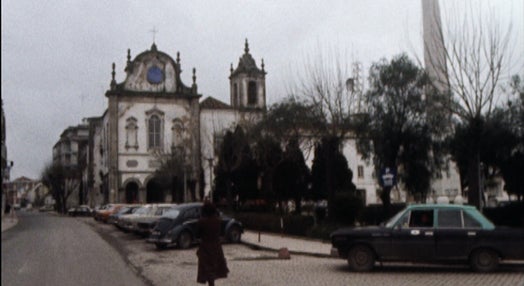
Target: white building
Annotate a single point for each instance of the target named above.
(152, 114)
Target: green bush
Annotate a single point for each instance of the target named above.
(293, 224)
(346, 208)
(323, 230)
(509, 215)
(348, 211)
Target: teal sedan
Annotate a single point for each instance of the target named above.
(430, 233)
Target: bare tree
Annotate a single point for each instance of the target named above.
(323, 85)
(468, 68)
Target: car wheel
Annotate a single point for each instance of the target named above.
(160, 246)
(184, 240)
(484, 260)
(361, 258)
(234, 234)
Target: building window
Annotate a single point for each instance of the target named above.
(360, 171)
(155, 128)
(154, 132)
(131, 133)
(252, 93)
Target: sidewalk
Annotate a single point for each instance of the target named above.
(295, 245)
(8, 222)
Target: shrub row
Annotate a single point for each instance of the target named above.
(509, 215)
(309, 226)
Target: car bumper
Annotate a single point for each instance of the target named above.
(159, 240)
(334, 252)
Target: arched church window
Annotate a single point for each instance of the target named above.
(178, 133)
(154, 132)
(131, 133)
(252, 93)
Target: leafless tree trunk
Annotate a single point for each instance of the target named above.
(477, 56)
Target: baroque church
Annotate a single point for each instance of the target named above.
(153, 114)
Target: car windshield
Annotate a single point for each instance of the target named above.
(391, 222)
(171, 213)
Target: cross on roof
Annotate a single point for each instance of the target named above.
(154, 31)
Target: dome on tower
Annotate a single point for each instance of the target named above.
(246, 64)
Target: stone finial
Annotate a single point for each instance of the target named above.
(178, 57)
(128, 68)
(231, 69)
(262, 65)
(113, 81)
(194, 86)
(246, 48)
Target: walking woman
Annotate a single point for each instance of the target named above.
(211, 260)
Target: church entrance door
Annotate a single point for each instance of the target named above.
(132, 193)
(155, 194)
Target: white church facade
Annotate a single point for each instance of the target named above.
(151, 114)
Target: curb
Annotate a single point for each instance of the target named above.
(7, 225)
(295, 252)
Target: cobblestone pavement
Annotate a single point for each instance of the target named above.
(249, 266)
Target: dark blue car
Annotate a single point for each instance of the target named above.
(178, 227)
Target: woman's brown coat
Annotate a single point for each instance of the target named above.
(211, 260)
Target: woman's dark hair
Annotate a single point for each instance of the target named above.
(209, 209)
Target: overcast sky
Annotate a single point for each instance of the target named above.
(57, 54)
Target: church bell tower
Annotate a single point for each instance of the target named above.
(248, 83)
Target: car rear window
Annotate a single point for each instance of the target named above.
(450, 218)
(471, 222)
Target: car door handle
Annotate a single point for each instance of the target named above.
(472, 233)
(428, 233)
(415, 232)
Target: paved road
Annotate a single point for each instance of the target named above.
(101, 243)
(45, 249)
(258, 267)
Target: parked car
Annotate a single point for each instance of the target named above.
(178, 227)
(47, 208)
(128, 223)
(103, 213)
(82, 210)
(143, 225)
(430, 233)
(129, 209)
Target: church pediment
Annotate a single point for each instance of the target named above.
(151, 71)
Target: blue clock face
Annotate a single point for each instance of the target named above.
(155, 75)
